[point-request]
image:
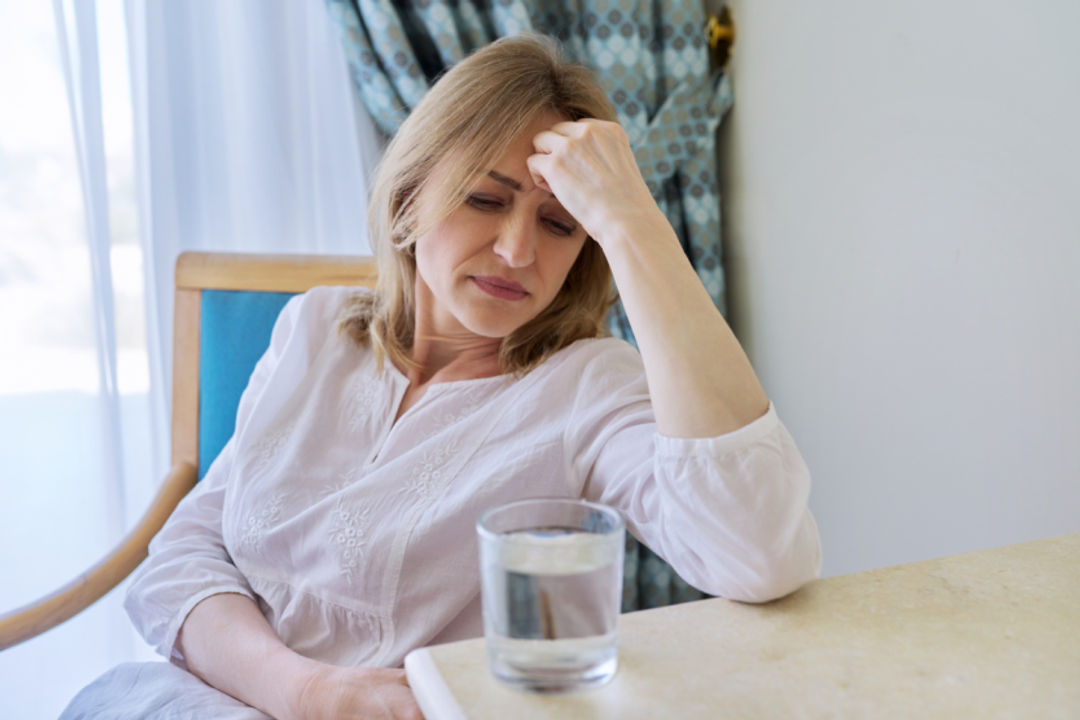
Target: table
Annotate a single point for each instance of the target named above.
(993, 633)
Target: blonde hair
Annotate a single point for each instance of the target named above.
(464, 124)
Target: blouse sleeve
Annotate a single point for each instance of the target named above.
(188, 561)
(729, 513)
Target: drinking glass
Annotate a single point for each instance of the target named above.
(551, 579)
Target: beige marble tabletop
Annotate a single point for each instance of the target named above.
(988, 634)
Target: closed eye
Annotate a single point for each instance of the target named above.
(487, 203)
(482, 202)
(561, 228)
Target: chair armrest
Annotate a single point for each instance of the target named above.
(49, 611)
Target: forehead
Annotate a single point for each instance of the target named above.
(521, 146)
(510, 164)
(511, 168)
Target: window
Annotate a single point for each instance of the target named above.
(68, 441)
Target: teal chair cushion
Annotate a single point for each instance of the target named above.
(236, 327)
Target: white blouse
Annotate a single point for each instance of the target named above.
(355, 534)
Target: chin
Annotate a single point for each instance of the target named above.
(492, 330)
(493, 327)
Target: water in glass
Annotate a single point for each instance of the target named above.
(551, 603)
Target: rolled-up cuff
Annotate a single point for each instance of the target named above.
(721, 444)
(167, 648)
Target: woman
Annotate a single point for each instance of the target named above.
(335, 531)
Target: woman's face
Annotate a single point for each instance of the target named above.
(499, 259)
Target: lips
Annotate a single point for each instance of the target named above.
(500, 288)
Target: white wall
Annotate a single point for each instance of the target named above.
(902, 187)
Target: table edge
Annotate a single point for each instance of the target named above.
(432, 695)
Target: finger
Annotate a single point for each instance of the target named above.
(548, 141)
(396, 675)
(402, 704)
(535, 164)
(578, 128)
(392, 676)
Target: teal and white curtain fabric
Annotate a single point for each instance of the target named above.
(652, 58)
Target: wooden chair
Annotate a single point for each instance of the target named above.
(224, 308)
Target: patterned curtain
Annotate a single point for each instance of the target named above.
(652, 59)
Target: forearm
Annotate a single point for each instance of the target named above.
(700, 381)
(227, 642)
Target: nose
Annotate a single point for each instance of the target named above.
(516, 241)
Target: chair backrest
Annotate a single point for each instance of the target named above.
(225, 307)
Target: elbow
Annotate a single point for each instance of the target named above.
(768, 587)
(779, 569)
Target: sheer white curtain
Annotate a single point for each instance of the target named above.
(250, 137)
(246, 137)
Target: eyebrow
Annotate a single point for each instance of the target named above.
(508, 181)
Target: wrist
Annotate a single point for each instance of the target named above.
(648, 228)
(290, 679)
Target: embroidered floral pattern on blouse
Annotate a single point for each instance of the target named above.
(344, 480)
(463, 411)
(349, 534)
(260, 519)
(429, 475)
(266, 450)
